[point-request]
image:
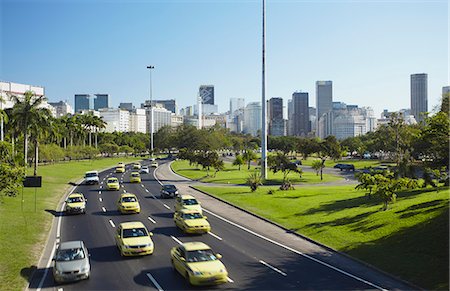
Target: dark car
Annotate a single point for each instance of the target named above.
(347, 167)
(168, 191)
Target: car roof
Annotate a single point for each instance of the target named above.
(127, 195)
(193, 246)
(71, 244)
(187, 197)
(89, 172)
(113, 178)
(76, 195)
(135, 173)
(188, 211)
(132, 224)
(144, 166)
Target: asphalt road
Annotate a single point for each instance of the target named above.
(253, 262)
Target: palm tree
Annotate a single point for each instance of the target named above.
(3, 117)
(99, 124)
(25, 113)
(41, 126)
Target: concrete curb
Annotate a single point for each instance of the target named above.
(309, 239)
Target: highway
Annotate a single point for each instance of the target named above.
(253, 261)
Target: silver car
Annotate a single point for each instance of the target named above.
(71, 262)
(144, 170)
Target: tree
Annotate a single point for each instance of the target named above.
(238, 161)
(307, 146)
(248, 156)
(367, 182)
(218, 165)
(317, 166)
(254, 180)
(280, 162)
(11, 175)
(41, 126)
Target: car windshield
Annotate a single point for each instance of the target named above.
(112, 180)
(144, 168)
(170, 187)
(134, 175)
(192, 215)
(129, 199)
(200, 256)
(74, 199)
(88, 175)
(190, 202)
(70, 254)
(134, 232)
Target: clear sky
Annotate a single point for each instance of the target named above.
(367, 48)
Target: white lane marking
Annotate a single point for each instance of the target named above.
(216, 236)
(146, 190)
(166, 206)
(229, 280)
(100, 199)
(273, 268)
(154, 282)
(142, 185)
(99, 192)
(151, 219)
(101, 186)
(177, 240)
(112, 223)
(156, 178)
(124, 191)
(60, 289)
(122, 186)
(103, 209)
(297, 252)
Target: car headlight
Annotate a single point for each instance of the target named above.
(149, 245)
(126, 246)
(85, 269)
(57, 272)
(196, 273)
(176, 192)
(222, 270)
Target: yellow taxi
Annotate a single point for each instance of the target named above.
(128, 203)
(120, 169)
(112, 184)
(191, 221)
(76, 203)
(135, 177)
(187, 202)
(133, 239)
(198, 264)
(136, 166)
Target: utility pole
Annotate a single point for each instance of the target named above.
(263, 99)
(151, 111)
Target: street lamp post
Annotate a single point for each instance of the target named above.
(151, 111)
(263, 99)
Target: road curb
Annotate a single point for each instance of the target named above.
(309, 239)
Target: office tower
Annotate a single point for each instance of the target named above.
(126, 106)
(277, 125)
(419, 95)
(170, 104)
(252, 118)
(236, 104)
(115, 119)
(161, 117)
(206, 92)
(138, 120)
(446, 90)
(101, 101)
(82, 102)
(62, 108)
(300, 116)
(324, 97)
(290, 119)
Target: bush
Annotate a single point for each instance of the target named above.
(51, 153)
(254, 180)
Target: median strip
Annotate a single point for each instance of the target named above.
(273, 268)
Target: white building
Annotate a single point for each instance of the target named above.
(138, 120)
(116, 119)
(176, 120)
(62, 108)
(252, 118)
(161, 117)
(207, 109)
(236, 104)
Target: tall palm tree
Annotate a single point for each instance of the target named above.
(99, 124)
(3, 117)
(41, 126)
(26, 112)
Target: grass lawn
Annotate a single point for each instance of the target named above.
(23, 233)
(359, 164)
(231, 175)
(410, 240)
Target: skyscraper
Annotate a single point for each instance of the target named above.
(419, 95)
(277, 125)
(236, 104)
(446, 90)
(206, 92)
(324, 97)
(82, 102)
(101, 101)
(169, 104)
(300, 116)
(252, 118)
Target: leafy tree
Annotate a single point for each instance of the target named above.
(11, 175)
(317, 166)
(218, 165)
(367, 182)
(254, 180)
(126, 149)
(280, 162)
(238, 161)
(445, 104)
(109, 148)
(248, 156)
(307, 146)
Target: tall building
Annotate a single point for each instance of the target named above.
(161, 117)
(290, 119)
(277, 125)
(126, 106)
(82, 102)
(446, 90)
(170, 104)
(419, 95)
(206, 92)
(253, 118)
(300, 115)
(324, 97)
(101, 101)
(138, 120)
(236, 104)
(115, 119)
(62, 108)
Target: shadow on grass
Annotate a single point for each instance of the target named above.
(342, 221)
(425, 207)
(419, 254)
(55, 213)
(339, 205)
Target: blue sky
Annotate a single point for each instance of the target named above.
(367, 48)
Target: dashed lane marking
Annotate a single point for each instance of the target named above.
(154, 282)
(214, 235)
(165, 205)
(273, 268)
(229, 280)
(112, 223)
(103, 209)
(151, 219)
(100, 199)
(175, 239)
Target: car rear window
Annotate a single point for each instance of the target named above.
(70, 254)
(134, 232)
(190, 202)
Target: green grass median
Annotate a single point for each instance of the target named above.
(232, 175)
(23, 231)
(410, 240)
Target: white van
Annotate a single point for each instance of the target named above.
(91, 177)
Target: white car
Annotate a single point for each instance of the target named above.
(91, 177)
(144, 170)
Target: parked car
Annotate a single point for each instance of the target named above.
(347, 167)
(136, 166)
(91, 177)
(198, 264)
(76, 203)
(71, 262)
(168, 191)
(133, 239)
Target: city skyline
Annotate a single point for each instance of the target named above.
(369, 63)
